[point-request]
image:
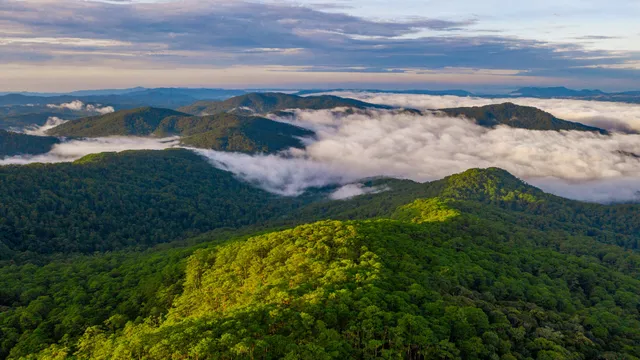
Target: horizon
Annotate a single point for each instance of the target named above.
(497, 91)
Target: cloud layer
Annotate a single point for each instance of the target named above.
(580, 165)
(613, 116)
(75, 149)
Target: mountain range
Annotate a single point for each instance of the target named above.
(236, 118)
(262, 103)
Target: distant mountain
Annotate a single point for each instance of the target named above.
(417, 92)
(555, 92)
(517, 116)
(262, 103)
(12, 144)
(227, 132)
(199, 93)
(118, 101)
(101, 92)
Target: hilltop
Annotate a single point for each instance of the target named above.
(517, 116)
(262, 103)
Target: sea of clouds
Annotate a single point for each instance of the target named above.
(351, 146)
(614, 116)
(579, 165)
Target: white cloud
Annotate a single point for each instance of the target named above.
(42, 130)
(78, 105)
(613, 116)
(352, 190)
(283, 175)
(75, 149)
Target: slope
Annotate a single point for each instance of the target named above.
(109, 201)
(524, 117)
(137, 122)
(224, 132)
(262, 103)
(12, 143)
(230, 132)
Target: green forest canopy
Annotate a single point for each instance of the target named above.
(477, 265)
(436, 277)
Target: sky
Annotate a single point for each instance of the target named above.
(489, 45)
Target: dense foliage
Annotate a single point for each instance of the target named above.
(263, 103)
(228, 132)
(140, 122)
(109, 201)
(478, 265)
(524, 117)
(12, 143)
(435, 284)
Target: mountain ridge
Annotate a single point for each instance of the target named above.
(518, 116)
(263, 103)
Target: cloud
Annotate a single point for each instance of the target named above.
(283, 175)
(352, 190)
(42, 130)
(75, 149)
(612, 116)
(197, 34)
(78, 105)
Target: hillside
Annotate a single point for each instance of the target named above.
(230, 132)
(111, 201)
(263, 103)
(477, 268)
(224, 132)
(12, 143)
(137, 122)
(524, 117)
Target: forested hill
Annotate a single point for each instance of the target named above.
(138, 122)
(111, 201)
(12, 143)
(517, 116)
(474, 266)
(226, 132)
(262, 103)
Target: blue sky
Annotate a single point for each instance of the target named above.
(491, 45)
